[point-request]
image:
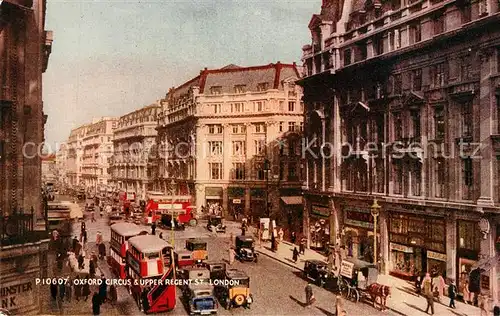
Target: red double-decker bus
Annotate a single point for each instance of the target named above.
(160, 206)
(120, 234)
(150, 261)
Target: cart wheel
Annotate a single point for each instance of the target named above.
(355, 295)
(239, 300)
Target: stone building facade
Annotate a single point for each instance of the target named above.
(97, 151)
(403, 99)
(24, 51)
(232, 136)
(134, 141)
(74, 156)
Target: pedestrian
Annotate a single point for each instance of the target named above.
(145, 300)
(309, 295)
(161, 235)
(153, 228)
(86, 290)
(69, 290)
(74, 243)
(418, 282)
(496, 311)
(78, 291)
(84, 237)
(440, 284)
(83, 226)
(427, 292)
(466, 292)
(293, 238)
(302, 246)
(92, 268)
(102, 251)
(81, 263)
(295, 255)
(113, 294)
(96, 304)
(281, 234)
(452, 293)
(53, 291)
(273, 242)
(62, 292)
(231, 255)
(339, 306)
(483, 304)
(103, 290)
(92, 217)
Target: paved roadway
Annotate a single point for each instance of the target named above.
(277, 289)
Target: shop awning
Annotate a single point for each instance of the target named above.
(486, 264)
(292, 200)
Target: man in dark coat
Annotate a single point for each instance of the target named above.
(153, 229)
(113, 294)
(96, 304)
(302, 246)
(293, 238)
(86, 290)
(103, 290)
(74, 244)
(145, 302)
(102, 251)
(92, 268)
(78, 291)
(295, 255)
(452, 293)
(309, 294)
(53, 291)
(81, 264)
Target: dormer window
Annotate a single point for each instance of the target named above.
(214, 90)
(263, 86)
(241, 88)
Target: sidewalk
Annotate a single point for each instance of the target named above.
(403, 299)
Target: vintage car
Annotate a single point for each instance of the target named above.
(245, 249)
(198, 276)
(183, 259)
(201, 301)
(114, 218)
(217, 270)
(216, 223)
(317, 271)
(199, 249)
(235, 291)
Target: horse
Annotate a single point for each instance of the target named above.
(376, 290)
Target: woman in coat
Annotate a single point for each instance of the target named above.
(96, 304)
(113, 294)
(86, 290)
(295, 255)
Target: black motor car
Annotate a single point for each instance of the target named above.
(245, 250)
(166, 221)
(318, 271)
(216, 223)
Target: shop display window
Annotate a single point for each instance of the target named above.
(436, 267)
(406, 263)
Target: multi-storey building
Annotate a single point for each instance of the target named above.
(74, 156)
(61, 160)
(97, 147)
(49, 171)
(134, 141)
(403, 99)
(24, 52)
(218, 137)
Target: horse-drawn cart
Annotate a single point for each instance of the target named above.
(359, 278)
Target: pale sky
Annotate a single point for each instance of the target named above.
(110, 57)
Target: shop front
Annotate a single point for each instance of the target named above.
(257, 205)
(358, 233)
(291, 210)
(213, 196)
(236, 203)
(319, 227)
(417, 244)
(468, 248)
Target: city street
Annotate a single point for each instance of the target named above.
(276, 288)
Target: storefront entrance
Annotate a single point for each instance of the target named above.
(319, 227)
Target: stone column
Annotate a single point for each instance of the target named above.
(384, 241)
(306, 233)
(484, 109)
(225, 203)
(337, 140)
(247, 202)
(451, 246)
(323, 160)
(334, 223)
(226, 153)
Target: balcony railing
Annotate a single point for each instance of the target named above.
(18, 228)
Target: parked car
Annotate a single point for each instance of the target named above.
(217, 223)
(245, 249)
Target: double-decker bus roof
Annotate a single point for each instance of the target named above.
(148, 243)
(127, 229)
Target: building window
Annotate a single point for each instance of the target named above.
(469, 236)
(292, 171)
(467, 119)
(217, 108)
(291, 106)
(378, 45)
(214, 90)
(466, 12)
(438, 75)
(281, 126)
(379, 176)
(483, 7)
(260, 127)
(363, 51)
(398, 84)
(260, 146)
(237, 107)
(347, 57)
(466, 71)
(416, 178)
(215, 129)
(416, 79)
(439, 124)
(397, 177)
(241, 88)
(440, 169)
(439, 26)
(301, 126)
(259, 106)
(238, 148)
(415, 33)
(239, 129)
(468, 178)
(263, 86)
(291, 126)
(215, 170)
(398, 126)
(239, 171)
(415, 120)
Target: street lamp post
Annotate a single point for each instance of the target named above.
(172, 223)
(375, 210)
(266, 171)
